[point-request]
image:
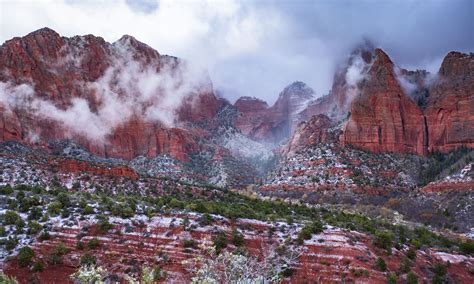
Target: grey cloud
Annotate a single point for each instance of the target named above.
(256, 48)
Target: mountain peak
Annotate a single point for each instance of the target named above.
(45, 32)
(297, 90)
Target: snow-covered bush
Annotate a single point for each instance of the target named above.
(231, 267)
(89, 274)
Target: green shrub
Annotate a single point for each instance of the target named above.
(35, 213)
(380, 264)
(34, 227)
(307, 231)
(220, 242)
(93, 243)
(38, 266)
(188, 243)
(412, 278)
(384, 240)
(467, 247)
(25, 255)
(54, 208)
(411, 253)
(11, 218)
(79, 245)
(237, 238)
(206, 219)
(44, 236)
(392, 278)
(405, 265)
(103, 226)
(87, 259)
(6, 190)
(88, 210)
(440, 270)
(10, 243)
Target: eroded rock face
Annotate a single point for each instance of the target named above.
(59, 71)
(76, 166)
(450, 111)
(276, 123)
(252, 113)
(315, 131)
(383, 117)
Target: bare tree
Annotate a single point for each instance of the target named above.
(232, 267)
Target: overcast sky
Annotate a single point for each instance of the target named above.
(256, 48)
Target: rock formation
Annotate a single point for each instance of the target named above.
(450, 110)
(59, 71)
(315, 131)
(382, 116)
(276, 123)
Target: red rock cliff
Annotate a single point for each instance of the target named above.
(450, 110)
(61, 69)
(383, 118)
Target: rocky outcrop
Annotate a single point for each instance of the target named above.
(383, 118)
(60, 70)
(397, 110)
(276, 123)
(450, 110)
(252, 113)
(315, 131)
(337, 103)
(76, 166)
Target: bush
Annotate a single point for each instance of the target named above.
(87, 259)
(384, 240)
(392, 278)
(56, 256)
(307, 231)
(237, 238)
(11, 243)
(63, 198)
(25, 255)
(88, 210)
(54, 208)
(189, 243)
(412, 278)
(440, 271)
(405, 265)
(11, 218)
(220, 242)
(467, 247)
(380, 264)
(206, 219)
(44, 236)
(79, 245)
(411, 253)
(103, 226)
(38, 266)
(5, 279)
(34, 227)
(35, 213)
(93, 243)
(61, 249)
(6, 190)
